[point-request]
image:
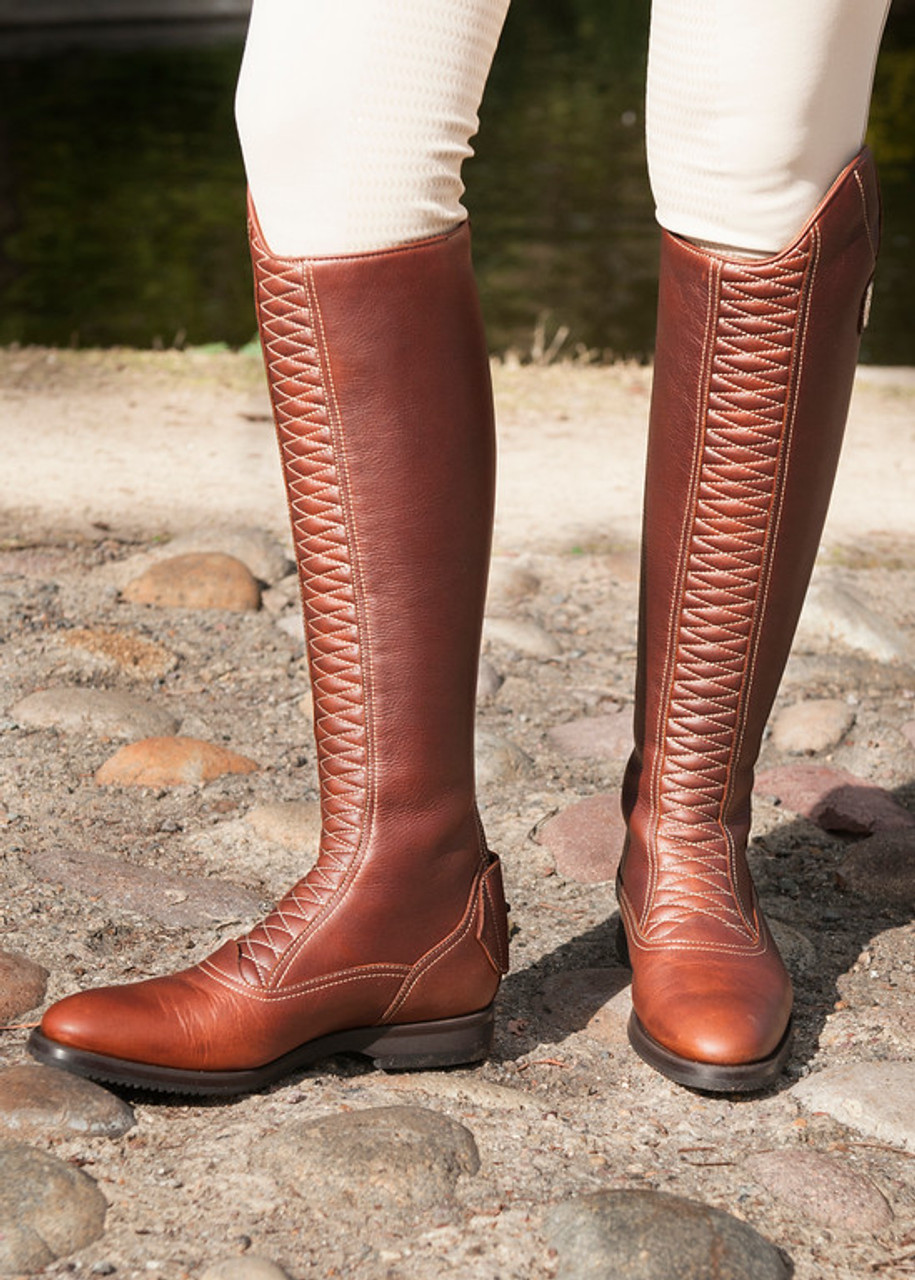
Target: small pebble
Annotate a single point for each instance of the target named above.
(811, 726)
(876, 1098)
(651, 1235)
(47, 1209)
(498, 759)
(823, 1188)
(248, 1267)
(510, 582)
(208, 580)
(283, 596)
(104, 712)
(37, 1101)
(170, 762)
(121, 650)
(258, 550)
(22, 984)
(586, 839)
(489, 682)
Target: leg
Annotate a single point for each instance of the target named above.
(393, 942)
(753, 370)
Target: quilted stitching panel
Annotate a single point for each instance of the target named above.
(305, 438)
(735, 501)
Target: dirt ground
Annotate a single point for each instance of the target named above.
(108, 458)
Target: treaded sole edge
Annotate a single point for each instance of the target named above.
(416, 1046)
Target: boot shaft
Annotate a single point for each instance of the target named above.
(753, 376)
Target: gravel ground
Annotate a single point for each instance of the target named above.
(116, 461)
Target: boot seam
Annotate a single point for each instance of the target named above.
(672, 646)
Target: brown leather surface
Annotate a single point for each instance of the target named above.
(753, 373)
(379, 379)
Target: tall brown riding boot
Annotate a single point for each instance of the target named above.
(753, 373)
(393, 943)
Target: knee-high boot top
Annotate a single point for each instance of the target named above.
(393, 943)
(754, 367)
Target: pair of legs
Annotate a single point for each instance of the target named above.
(354, 122)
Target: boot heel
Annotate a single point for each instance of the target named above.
(417, 1046)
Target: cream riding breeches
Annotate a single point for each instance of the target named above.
(355, 116)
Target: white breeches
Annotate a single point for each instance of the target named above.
(355, 116)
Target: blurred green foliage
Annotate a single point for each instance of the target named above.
(122, 192)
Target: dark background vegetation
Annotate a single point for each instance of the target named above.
(122, 192)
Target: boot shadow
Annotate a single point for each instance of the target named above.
(795, 867)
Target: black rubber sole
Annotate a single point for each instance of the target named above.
(710, 1077)
(415, 1046)
(705, 1077)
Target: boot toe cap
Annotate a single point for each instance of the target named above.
(133, 1023)
(732, 1015)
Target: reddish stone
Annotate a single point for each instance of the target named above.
(206, 580)
(835, 799)
(22, 984)
(606, 737)
(122, 649)
(586, 839)
(169, 762)
(822, 1188)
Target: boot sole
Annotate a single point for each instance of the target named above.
(416, 1046)
(707, 1077)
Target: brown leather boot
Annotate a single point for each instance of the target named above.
(753, 373)
(393, 943)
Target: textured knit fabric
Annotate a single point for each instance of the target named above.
(355, 117)
(754, 107)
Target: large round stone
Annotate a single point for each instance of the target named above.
(882, 868)
(36, 1101)
(47, 1209)
(823, 1188)
(392, 1158)
(205, 580)
(108, 713)
(650, 1235)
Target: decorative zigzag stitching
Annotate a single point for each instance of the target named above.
(727, 550)
(328, 596)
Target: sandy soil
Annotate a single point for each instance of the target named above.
(106, 456)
